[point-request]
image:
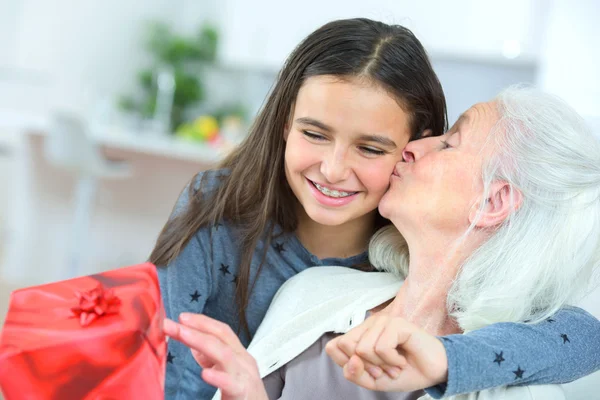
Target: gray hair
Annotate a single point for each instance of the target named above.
(547, 251)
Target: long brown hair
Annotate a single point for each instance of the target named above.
(255, 196)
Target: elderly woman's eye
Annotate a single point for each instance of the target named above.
(445, 144)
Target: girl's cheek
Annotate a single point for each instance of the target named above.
(376, 174)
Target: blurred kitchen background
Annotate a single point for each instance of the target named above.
(108, 108)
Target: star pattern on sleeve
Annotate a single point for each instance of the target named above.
(518, 373)
(235, 280)
(170, 358)
(565, 338)
(195, 297)
(279, 247)
(224, 269)
(499, 357)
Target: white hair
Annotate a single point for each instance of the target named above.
(388, 251)
(547, 251)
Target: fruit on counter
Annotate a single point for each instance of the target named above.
(204, 128)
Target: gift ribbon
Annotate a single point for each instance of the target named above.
(94, 304)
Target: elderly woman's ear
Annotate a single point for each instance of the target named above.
(502, 200)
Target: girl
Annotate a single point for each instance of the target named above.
(303, 188)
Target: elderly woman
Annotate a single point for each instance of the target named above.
(499, 222)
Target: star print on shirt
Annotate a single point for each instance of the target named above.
(224, 269)
(499, 358)
(170, 358)
(279, 248)
(565, 338)
(518, 373)
(195, 296)
(550, 320)
(235, 280)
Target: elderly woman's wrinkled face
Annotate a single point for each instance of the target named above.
(439, 182)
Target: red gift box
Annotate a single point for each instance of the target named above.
(95, 337)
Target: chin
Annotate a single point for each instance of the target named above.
(384, 209)
(327, 218)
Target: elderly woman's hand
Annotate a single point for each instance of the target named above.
(390, 354)
(225, 362)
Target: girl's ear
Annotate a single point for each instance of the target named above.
(426, 133)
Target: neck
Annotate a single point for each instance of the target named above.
(340, 241)
(422, 299)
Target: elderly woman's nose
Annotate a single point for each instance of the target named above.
(408, 156)
(418, 148)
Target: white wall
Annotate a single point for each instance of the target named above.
(570, 54)
(9, 13)
(569, 66)
(262, 33)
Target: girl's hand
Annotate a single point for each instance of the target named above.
(226, 363)
(390, 354)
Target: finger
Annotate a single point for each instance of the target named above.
(171, 328)
(389, 344)
(212, 349)
(365, 347)
(211, 326)
(347, 342)
(354, 372)
(229, 386)
(336, 354)
(360, 376)
(201, 359)
(392, 372)
(374, 370)
(355, 366)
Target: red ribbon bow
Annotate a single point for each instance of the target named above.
(94, 304)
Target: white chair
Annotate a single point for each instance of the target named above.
(69, 146)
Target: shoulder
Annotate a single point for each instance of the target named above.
(210, 180)
(204, 182)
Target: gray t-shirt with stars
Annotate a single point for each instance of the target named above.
(202, 279)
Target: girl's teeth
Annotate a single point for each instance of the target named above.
(331, 193)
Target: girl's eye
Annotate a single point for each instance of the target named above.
(445, 145)
(372, 151)
(313, 136)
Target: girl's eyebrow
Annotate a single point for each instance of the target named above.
(315, 123)
(382, 140)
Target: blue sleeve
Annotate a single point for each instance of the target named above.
(186, 284)
(558, 350)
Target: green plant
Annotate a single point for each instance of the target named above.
(184, 56)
